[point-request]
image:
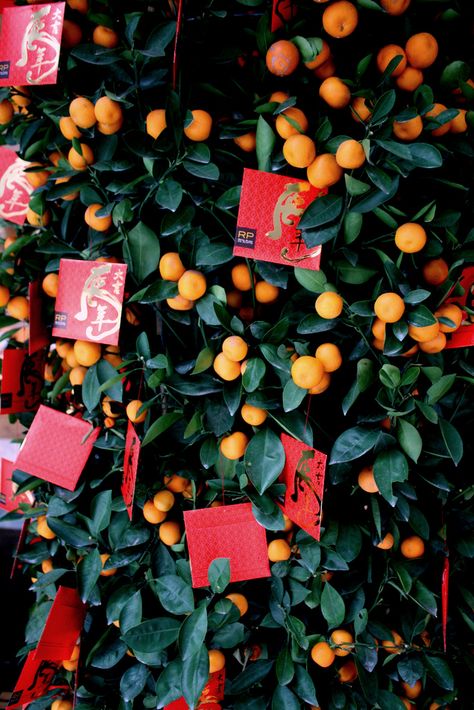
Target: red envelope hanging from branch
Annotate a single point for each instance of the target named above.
(63, 626)
(130, 467)
(282, 11)
(15, 190)
(34, 681)
(304, 477)
(229, 531)
(56, 448)
(89, 301)
(211, 696)
(267, 225)
(38, 334)
(22, 381)
(8, 500)
(464, 336)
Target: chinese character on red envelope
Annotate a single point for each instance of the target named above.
(38, 334)
(304, 477)
(282, 11)
(30, 44)
(89, 301)
(15, 190)
(22, 381)
(211, 695)
(229, 531)
(63, 626)
(56, 448)
(464, 336)
(34, 681)
(267, 225)
(130, 467)
(8, 500)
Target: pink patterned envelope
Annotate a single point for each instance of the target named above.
(15, 190)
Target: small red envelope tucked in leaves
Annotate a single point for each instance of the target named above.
(30, 44)
(34, 681)
(282, 11)
(15, 190)
(304, 477)
(267, 225)
(63, 626)
(89, 301)
(8, 500)
(22, 381)
(56, 448)
(464, 336)
(229, 531)
(130, 467)
(38, 334)
(211, 695)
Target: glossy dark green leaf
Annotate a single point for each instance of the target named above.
(332, 606)
(161, 425)
(88, 573)
(169, 194)
(353, 443)
(153, 634)
(264, 459)
(193, 632)
(409, 439)
(265, 143)
(439, 670)
(133, 681)
(174, 594)
(195, 675)
(452, 440)
(314, 281)
(144, 248)
(321, 211)
(219, 574)
(390, 467)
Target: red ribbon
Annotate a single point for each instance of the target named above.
(444, 598)
(179, 22)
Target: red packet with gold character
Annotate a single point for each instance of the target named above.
(89, 301)
(130, 467)
(464, 336)
(282, 11)
(267, 225)
(22, 381)
(15, 190)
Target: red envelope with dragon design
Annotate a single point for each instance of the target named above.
(15, 190)
(34, 681)
(464, 336)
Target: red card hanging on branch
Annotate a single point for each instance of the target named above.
(8, 499)
(15, 190)
(211, 696)
(229, 531)
(56, 448)
(34, 681)
(304, 477)
(282, 11)
(30, 44)
(444, 599)
(130, 467)
(267, 224)
(38, 333)
(464, 336)
(89, 301)
(63, 626)
(22, 381)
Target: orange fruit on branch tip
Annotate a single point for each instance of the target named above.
(78, 161)
(242, 277)
(152, 514)
(453, 313)
(322, 386)
(6, 112)
(81, 6)
(155, 122)
(240, 602)
(278, 97)
(329, 305)
(163, 501)
(366, 480)
(395, 644)
(325, 70)
(423, 333)
(72, 34)
(285, 127)
(435, 272)
(433, 113)
(412, 547)
(378, 329)
(344, 639)
(324, 171)
(299, 151)
(389, 307)
(412, 691)
(387, 542)
(335, 93)
(170, 533)
(18, 307)
(39, 178)
(178, 303)
(68, 128)
(171, 267)
(359, 110)
(410, 237)
(348, 672)
(68, 195)
(132, 410)
(227, 369)
(81, 111)
(61, 704)
(395, 7)
(43, 528)
(330, 356)
(307, 372)
(421, 50)
(322, 654)
(200, 127)
(87, 353)
(410, 79)
(192, 285)
(100, 224)
(47, 565)
(282, 58)
(436, 345)
(4, 296)
(320, 58)
(458, 124)
(106, 572)
(340, 19)
(107, 110)
(233, 446)
(266, 292)
(76, 375)
(387, 54)
(279, 550)
(253, 415)
(216, 660)
(408, 130)
(176, 483)
(105, 37)
(350, 155)
(246, 142)
(38, 220)
(235, 348)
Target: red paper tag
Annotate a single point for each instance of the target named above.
(267, 226)
(8, 500)
(38, 333)
(444, 599)
(464, 336)
(211, 695)
(89, 301)
(282, 11)
(34, 681)
(130, 467)
(63, 626)
(55, 448)
(30, 44)
(304, 477)
(22, 381)
(19, 547)
(229, 531)
(15, 190)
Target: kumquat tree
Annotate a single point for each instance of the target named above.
(236, 284)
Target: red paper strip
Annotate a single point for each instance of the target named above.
(130, 467)
(15, 190)
(63, 626)
(89, 301)
(464, 336)
(56, 448)
(229, 531)
(38, 333)
(30, 44)
(444, 599)
(179, 25)
(304, 477)
(8, 500)
(282, 11)
(19, 547)
(267, 225)
(34, 681)
(22, 381)
(211, 696)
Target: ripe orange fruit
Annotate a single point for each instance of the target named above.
(340, 19)
(6, 112)
(176, 483)
(432, 113)
(330, 356)
(71, 663)
(307, 372)
(156, 122)
(378, 329)
(100, 224)
(421, 50)
(68, 128)
(234, 445)
(81, 6)
(36, 219)
(279, 550)
(132, 409)
(71, 359)
(108, 111)
(366, 480)
(410, 79)
(240, 602)
(395, 7)
(171, 267)
(395, 644)
(389, 307)
(266, 292)
(341, 637)
(37, 179)
(106, 572)
(43, 528)
(170, 533)
(348, 672)
(321, 58)
(282, 58)
(359, 110)
(436, 345)
(285, 129)
(108, 129)
(78, 161)
(178, 303)
(192, 285)
(81, 111)
(55, 157)
(410, 237)
(435, 272)
(72, 34)
(412, 691)
(235, 348)
(87, 353)
(200, 127)
(227, 369)
(18, 307)
(408, 130)
(242, 277)
(246, 142)
(163, 501)
(412, 547)
(385, 56)
(451, 311)
(4, 296)
(253, 415)
(387, 542)
(69, 195)
(334, 92)
(105, 37)
(299, 151)
(322, 386)
(278, 97)
(76, 375)
(152, 514)
(350, 155)
(216, 660)
(47, 565)
(324, 171)
(322, 654)
(325, 70)
(458, 124)
(61, 704)
(329, 305)
(422, 334)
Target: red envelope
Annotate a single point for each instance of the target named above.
(15, 190)
(282, 11)
(89, 301)
(34, 681)
(63, 626)
(19, 547)
(211, 695)
(267, 225)
(229, 531)
(304, 477)
(130, 467)
(38, 333)
(30, 44)
(22, 381)
(55, 448)
(464, 336)
(8, 500)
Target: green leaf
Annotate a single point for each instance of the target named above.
(352, 226)
(264, 459)
(70, 534)
(425, 598)
(219, 574)
(229, 199)
(252, 674)
(205, 172)
(169, 194)
(452, 440)
(229, 635)
(144, 247)
(439, 671)
(195, 675)
(409, 439)
(193, 632)
(254, 374)
(133, 681)
(174, 594)
(161, 425)
(383, 105)
(390, 466)
(424, 155)
(314, 281)
(152, 635)
(440, 388)
(265, 144)
(88, 573)
(321, 211)
(90, 388)
(303, 685)
(420, 316)
(353, 443)
(332, 606)
(315, 237)
(292, 396)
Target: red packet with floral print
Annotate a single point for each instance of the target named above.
(229, 531)
(89, 301)
(63, 626)
(464, 336)
(304, 477)
(130, 467)
(22, 380)
(38, 334)
(56, 447)
(15, 190)
(8, 500)
(267, 225)
(282, 11)
(34, 681)
(30, 44)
